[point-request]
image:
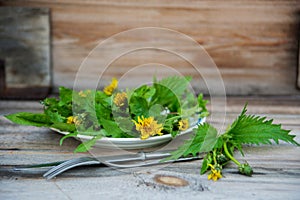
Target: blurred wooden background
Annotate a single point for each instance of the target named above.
(253, 43)
(24, 52)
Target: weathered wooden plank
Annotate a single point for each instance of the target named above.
(265, 185)
(276, 168)
(254, 43)
(299, 63)
(25, 51)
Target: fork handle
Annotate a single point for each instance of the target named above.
(140, 156)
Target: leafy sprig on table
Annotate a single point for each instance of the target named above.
(219, 148)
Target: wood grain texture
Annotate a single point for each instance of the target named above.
(25, 51)
(277, 168)
(299, 64)
(253, 43)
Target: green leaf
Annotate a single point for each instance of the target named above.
(174, 133)
(202, 105)
(169, 92)
(204, 139)
(49, 102)
(65, 95)
(112, 128)
(125, 124)
(189, 106)
(144, 91)
(103, 106)
(64, 126)
(251, 129)
(139, 106)
(54, 116)
(31, 119)
(52, 105)
(205, 164)
(155, 111)
(176, 84)
(87, 145)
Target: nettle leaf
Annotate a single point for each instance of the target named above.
(251, 129)
(144, 91)
(176, 84)
(169, 92)
(31, 119)
(139, 106)
(204, 139)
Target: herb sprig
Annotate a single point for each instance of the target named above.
(219, 148)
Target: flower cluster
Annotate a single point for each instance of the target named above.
(215, 173)
(73, 120)
(148, 127)
(120, 99)
(183, 124)
(108, 90)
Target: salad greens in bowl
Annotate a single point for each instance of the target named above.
(132, 118)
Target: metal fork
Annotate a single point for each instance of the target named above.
(69, 164)
(113, 162)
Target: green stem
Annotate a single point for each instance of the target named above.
(215, 156)
(172, 118)
(229, 155)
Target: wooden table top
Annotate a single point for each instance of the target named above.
(276, 168)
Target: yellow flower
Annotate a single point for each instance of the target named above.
(120, 99)
(214, 174)
(148, 127)
(108, 90)
(70, 120)
(73, 120)
(183, 124)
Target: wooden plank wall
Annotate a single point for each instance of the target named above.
(299, 63)
(25, 51)
(253, 43)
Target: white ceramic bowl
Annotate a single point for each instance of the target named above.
(132, 143)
